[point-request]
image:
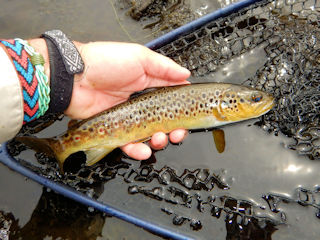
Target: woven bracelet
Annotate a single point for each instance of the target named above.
(34, 83)
(37, 61)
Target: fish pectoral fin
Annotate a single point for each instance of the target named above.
(142, 140)
(96, 154)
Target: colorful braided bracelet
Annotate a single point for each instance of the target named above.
(35, 84)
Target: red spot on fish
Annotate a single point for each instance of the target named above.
(101, 130)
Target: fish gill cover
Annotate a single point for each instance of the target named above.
(286, 34)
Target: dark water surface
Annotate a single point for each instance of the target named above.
(255, 189)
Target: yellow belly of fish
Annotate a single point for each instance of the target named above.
(96, 148)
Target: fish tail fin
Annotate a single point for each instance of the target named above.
(38, 144)
(46, 145)
(96, 154)
(51, 147)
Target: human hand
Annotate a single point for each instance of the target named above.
(113, 72)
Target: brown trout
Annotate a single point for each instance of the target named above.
(195, 106)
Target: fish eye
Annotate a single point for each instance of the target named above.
(256, 97)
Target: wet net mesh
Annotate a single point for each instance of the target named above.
(288, 32)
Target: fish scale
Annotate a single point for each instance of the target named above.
(195, 106)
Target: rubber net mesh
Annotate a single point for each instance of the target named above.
(289, 34)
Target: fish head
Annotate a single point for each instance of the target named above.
(240, 103)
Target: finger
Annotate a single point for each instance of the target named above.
(178, 135)
(138, 151)
(159, 66)
(159, 141)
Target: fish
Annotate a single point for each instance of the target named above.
(194, 106)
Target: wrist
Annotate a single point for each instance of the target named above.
(40, 46)
(79, 46)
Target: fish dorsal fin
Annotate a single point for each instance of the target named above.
(139, 93)
(73, 123)
(96, 154)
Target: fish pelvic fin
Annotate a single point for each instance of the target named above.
(96, 154)
(219, 140)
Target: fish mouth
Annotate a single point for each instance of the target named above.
(267, 107)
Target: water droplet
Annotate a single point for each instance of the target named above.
(90, 209)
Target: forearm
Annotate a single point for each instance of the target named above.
(19, 86)
(11, 104)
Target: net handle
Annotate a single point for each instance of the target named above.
(198, 23)
(68, 192)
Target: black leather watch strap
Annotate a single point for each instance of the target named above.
(65, 61)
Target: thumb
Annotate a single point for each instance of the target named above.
(158, 66)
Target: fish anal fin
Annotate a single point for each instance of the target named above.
(219, 140)
(96, 154)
